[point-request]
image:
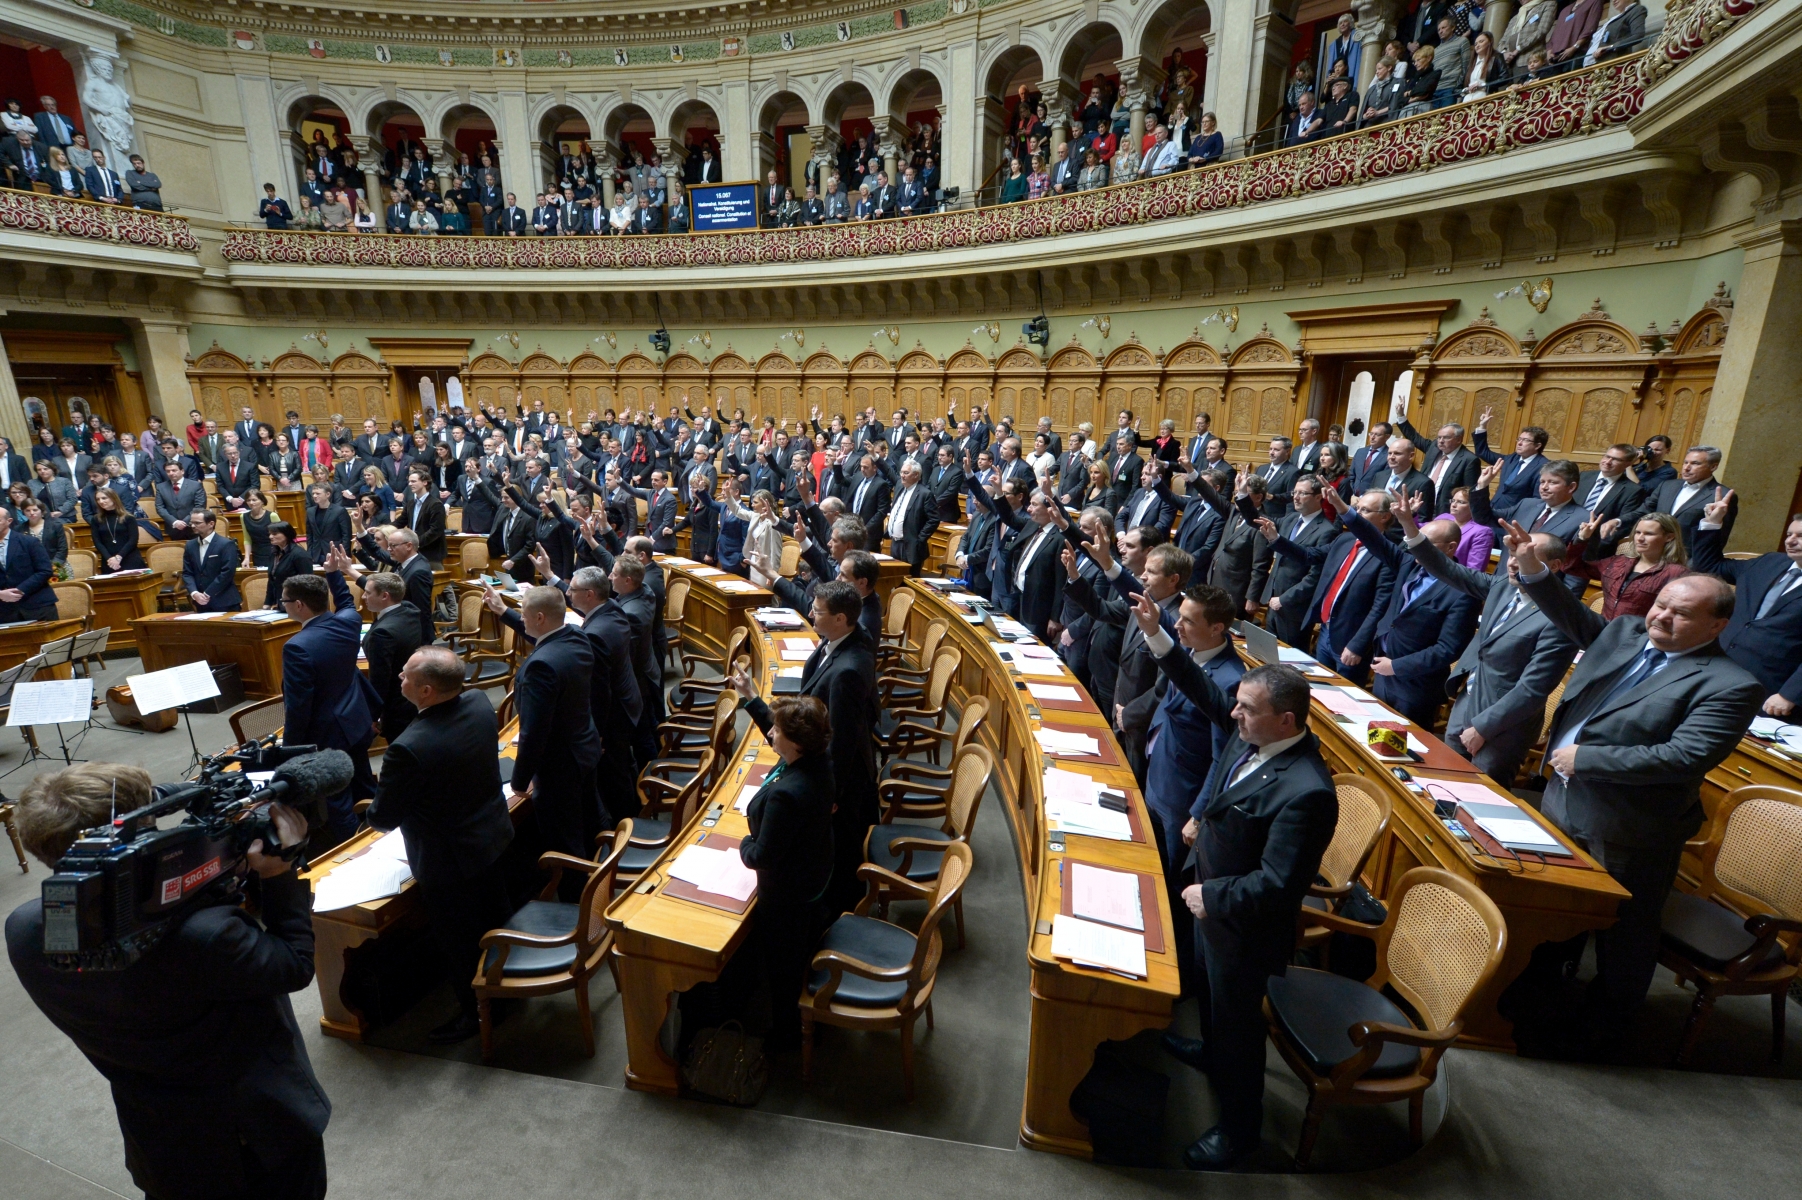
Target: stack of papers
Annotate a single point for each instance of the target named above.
(791, 652)
(1053, 691)
(676, 560)
(1099, 946)
(1011, 629)
(380, 871)
(962, 599)
(121, 574)
(779, 618)
(1784, 735)
(196, 616)
(1111, 897)
(705, 571)
(745, 796)
(267, 615)
(720, 872)
(790, 673)
(738, 586)
(1057, 741)
(1500, 816)
(1034, 650)
(1072, 804)
(1340, 704)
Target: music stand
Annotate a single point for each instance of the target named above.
(9, 679)
(90, 646)
(177, 688)
(52, 702)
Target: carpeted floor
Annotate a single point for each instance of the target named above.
(411, 1120)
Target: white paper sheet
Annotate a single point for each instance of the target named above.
(1090, 945)
(738, 586)
(1520, 833)
(1035, 650)
(720, 872)
(745, 796)
(705, 572)
(1098, 894)
(1052, 691)
(799, 656)
(159, 690)
(51, 702)
(1057, 741)
(380, 871)
(790, 673)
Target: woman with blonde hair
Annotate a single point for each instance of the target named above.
(763, 535)
(1630, 582)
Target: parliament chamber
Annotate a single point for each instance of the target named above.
(1062, 594)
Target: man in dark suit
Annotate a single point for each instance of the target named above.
(1241, 559)
(1516, 659)
(1554, 510)
(13, 468)
(1289, 587)
(867, 497)
(1686, 496)
(1306, 452)
(841, 673)
(1125, 469)
(235, 475)
(1351, 588)
(54, 129)
(558, 746)
(1371, 457)
(441, 787)
(1765, 634)
(326, 700)
(1652, 708)
(1257, 831)
(423, 513)
(492, 200)
(209, 1071)
(511, 540)
(1608, 495)
(1200, 527)
(1449, 464)
(1152, 503)
(1165, 573)
(415, 571)
(1279, 478)
(392, 638)
(912, 519)
(399, 211)
(1425, 624)
(615, 702)
(1402, 475)
(477, 497)
(641, 600)
(103, 182)
(646, 219)
(1035, 576)
(370, 444)
(1519, 473)
(246, 426)
(25, 571)
(660, 512)
(946, 483)
(209, 567)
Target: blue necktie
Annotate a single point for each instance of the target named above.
(1421, 583)
(1783, 584)
(1643, 667)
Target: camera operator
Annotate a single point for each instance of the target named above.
(215, 1095)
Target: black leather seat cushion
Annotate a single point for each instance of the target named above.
(868, 940)
(541, 918)
(636, 860)
(651, 829)
(490, 668)
(1708, 934)
(1314, 1009)
(925, 865)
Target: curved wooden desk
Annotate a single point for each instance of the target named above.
(718, 601)
(1074, 1009)
(663, 943)
(171, 639)
(19, 642)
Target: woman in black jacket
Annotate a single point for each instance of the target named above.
(115, 534)
(290, 560)
(790, 848)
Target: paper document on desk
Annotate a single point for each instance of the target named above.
(1518, 833)
(1111, 897)
(1011, 629)
(196, 616)
(721, 872)
(1052, 691)
(1090, 945)
(1339, 703)
(704, 572)
(380, 871)
(745, 796)
(738, 586)
(790, 673)
(1072, 803)
(799, 656)
(1058, 741)
(779, 618)
(1034, 650)
(1291, 655)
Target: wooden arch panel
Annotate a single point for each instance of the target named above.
(969, 382)
(824, 380)
(778, 388)
(1019, 386)
(732, 384)
(920, 386)
(1072, 392)
(1131, 381)
(1194, 382)
(872, 385)
(1589, 378)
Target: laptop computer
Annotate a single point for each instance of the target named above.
(1260, 643)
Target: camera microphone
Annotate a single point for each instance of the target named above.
(310, 779)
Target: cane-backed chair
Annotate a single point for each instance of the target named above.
(911, 788)
(259, 720)
(903, 729)
(165, 559)
(1740, 932)
(74, 601)
(1438, 949)
(82, 563)
(1364, 814)
(909, 669)
(869, 974)
(915, 852)
(675, 611)
(685, 804)
(549, 946)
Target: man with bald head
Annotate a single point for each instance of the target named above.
(1653, 707)
(1425, 624)
(1517, 657)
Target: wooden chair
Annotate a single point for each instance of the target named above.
(165, 559)
(145, 538)
(549, 946)
(453, 520)
(687, 802)
(689, 657)
(693, 695)
(1364, 814)
(491, 668)
(869, 974)
(912, 788)
(473, 558)
(255, 592)
(82, 563)
(791, 558)
(915, 852)
(675, 608)
(1738, 934)
(683, 737)
(910, 671)
(258, 720)
(900, 730)
(1535, 759)
(12, 831)
(894, 621)
(74, 600)
(1349, 1043)
(470, 631)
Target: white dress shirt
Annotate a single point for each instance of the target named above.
(1027, 555)
(1264, 755)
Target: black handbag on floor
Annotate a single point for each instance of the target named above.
(1123, 1104)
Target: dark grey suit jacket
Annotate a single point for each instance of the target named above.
(1642, 755)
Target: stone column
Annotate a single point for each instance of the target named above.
(881, 125)
(162, 348)
(603, 162)
(12, 415)
(1210, 85)
(1057, 108)
(1375, 24)
(738, 140)
(1247, 73)
(369, 151)
(1139, 79)
(444, 163)
(1496, 15)
(962, 135)
(1758, 388)
(826, 147)
(670, 163)
(991, 128)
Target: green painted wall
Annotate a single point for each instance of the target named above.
(1634, 296)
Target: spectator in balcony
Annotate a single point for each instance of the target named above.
(14, 119)
(813, 210)
(1423, 86)
(273, 210)
(1013, 188)
(63, 179)
(1064, 169)
(544, 216)
(1307, 125)
(772, 199)
(145, 189)
(1467, 17)
(1344, 49)
(619, 217)
(1165, 155)
(788, 212)
(311, 189)
(1451, 58)
(679, 219)
(1620, 33)
(1571, 35)
(491, 200)
(1093, 174)
(54, 130)
(308, 217)
(648, 218)
(421, 219)
(363, 220)
(1301, 83)
(1488, 72)
(21, 160)
(1527, 31)
(865, 209)
(1424, 28)
(1179, 92)
(1038, 183)
(1340, 112)
(837, 203)
(103, 182)
(914, 199)
(400, 210)
(335, 214)
(1386, 96)
(708, 169)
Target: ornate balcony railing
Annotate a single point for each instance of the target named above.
(1564, 106)
(34, 212)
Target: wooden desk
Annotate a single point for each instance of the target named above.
(20, 642)
(664, 944)
(891, 573)
(171, 639)
(713, 611)
(337, 934)
(81, 537)
(1074, 1010)
(1752, 761)
(1542, 904)
(289, 506)
(121, 599)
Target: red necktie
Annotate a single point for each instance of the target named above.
(1332, 591)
